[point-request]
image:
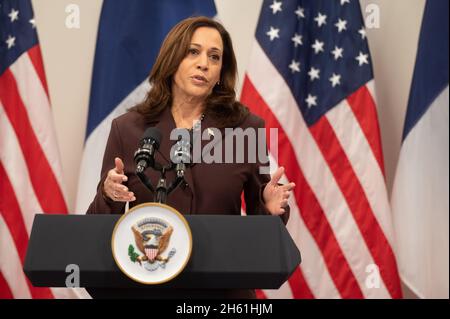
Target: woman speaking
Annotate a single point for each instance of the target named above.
(192, 86)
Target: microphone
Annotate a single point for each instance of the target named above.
(181, 151)
(145, 155)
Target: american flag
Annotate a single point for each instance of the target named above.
(30, 171)
(310, 76)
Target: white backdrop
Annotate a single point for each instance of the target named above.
(68, 57)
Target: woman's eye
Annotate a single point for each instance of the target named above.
(193, 51)
(215, 57)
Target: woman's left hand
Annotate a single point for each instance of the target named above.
(276, 196)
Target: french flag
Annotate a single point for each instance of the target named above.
(128, 41)
(420, 198)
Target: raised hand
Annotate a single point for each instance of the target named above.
(113, 188)
(276, 196)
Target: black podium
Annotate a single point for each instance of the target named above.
(228, 252)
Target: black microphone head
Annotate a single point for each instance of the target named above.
(154, 134)
(145, 155)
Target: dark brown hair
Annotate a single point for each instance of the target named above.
(221, 104)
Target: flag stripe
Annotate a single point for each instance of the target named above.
(12, 218)
(36, 58)
(38, 109)
(281, 293)
(299, 286)
(243, 205)
(329, 145)
(364, 164)
(316, 220)
(5, 291)
(12, 159)
(362, 159)
(50, 197)
(30, 173)
(314, 278)
(371, 88)
(260, 294)
(9, 208)
(10, 265)
(353, 142)
(354, 194)
(310, 209)
(365, 110)
(313, 164)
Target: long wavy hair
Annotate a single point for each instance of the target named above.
(221, 103)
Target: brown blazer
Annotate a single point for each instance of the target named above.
(211, 188)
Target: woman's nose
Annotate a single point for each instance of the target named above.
(202, 62)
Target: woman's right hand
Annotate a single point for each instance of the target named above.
(113, 188)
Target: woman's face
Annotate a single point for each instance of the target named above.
(199, 71)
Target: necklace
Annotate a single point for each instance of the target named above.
(197, 123)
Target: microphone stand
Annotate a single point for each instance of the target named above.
(161, 188)
(146, 155)
(162, 191)
(145, 180)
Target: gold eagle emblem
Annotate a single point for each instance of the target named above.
(152, 236)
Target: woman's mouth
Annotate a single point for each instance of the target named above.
(199, 79)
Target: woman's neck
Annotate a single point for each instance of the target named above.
(186, 111)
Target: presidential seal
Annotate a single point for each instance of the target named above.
(151, 243)
(152, 238)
